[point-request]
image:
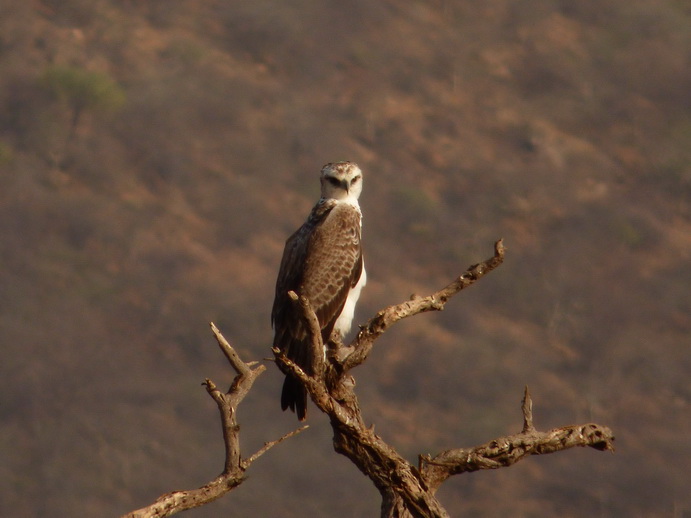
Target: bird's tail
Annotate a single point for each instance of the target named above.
(294, 395)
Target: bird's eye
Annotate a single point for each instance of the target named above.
(334, 181)
(354, 180)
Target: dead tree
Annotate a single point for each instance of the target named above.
(235, 466)
(408, 490)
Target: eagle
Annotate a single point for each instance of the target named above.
(322, 261)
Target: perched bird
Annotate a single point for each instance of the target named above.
(322, 261)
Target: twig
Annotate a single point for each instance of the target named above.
(234, 467)
(375, 327)
(267, 446)
(505, 451)
(233, 358)
(527, 408)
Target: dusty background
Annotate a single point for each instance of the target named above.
(154, 155)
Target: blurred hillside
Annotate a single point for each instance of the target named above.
(155, 154)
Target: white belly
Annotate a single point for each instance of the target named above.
(345, 320)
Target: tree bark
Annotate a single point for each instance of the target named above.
(234, 466)
(406, 490)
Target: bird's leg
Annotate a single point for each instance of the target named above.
(332, 346)
(336, 350)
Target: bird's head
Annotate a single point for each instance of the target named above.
(341, 181)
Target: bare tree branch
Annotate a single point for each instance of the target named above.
(268, 445)
(527, 409)
(234, 467)
(408, 491)
(505, 451)
(384, 319)
(312, 324)
(238, 365)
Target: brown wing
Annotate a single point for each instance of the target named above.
(322, 260)
(333, 264)
(289, 335)
(289, 278)
(284, 317)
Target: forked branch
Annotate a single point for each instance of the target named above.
(505, 451)
(234, 468)
(361, 346)
(409, 491)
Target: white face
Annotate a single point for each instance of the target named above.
(341, 180)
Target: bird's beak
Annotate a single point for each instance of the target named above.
(345, 185)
